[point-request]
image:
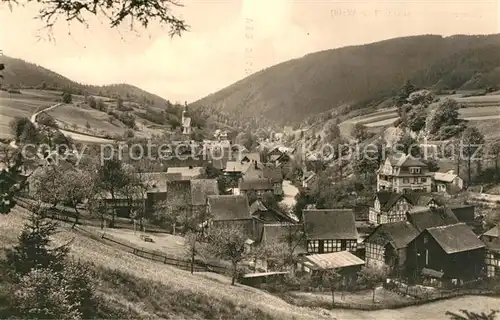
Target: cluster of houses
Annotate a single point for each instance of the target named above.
(410, 228)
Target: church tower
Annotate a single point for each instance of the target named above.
(186, 121)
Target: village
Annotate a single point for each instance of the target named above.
(246, 160)
(409, 239)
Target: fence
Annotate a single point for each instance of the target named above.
(156, 256)
(69, 216)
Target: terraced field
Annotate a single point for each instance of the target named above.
(476, 109)
(19, 105)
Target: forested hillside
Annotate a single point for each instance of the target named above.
(355, 76)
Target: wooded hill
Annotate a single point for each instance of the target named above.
(358, 75)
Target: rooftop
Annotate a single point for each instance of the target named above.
(228, 207)
(456, 238)
(330, 224)
(334, 260)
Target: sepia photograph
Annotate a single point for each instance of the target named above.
(250, 159)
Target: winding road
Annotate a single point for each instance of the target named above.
(74, 135)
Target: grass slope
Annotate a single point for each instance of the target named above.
(152, 290)
(291, 91)
(135, 288)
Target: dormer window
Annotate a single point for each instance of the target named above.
(414, 170)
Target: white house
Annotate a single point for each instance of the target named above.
(443, 181)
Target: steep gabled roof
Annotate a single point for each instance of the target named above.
(493, 232)
(433, 217)
(384, 196)
(258, 206)
(330, 224)
(229, 207)
(252, 156)
(405, 160)
(274, 174)
(422, 199)
(444, 177)
(281, 232)
(236, 166)
(455, 238)
(398, 234)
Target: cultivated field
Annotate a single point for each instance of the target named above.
(19, 105)
(77, 117)
(72, 118)
(476, 109)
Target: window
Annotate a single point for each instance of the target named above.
(423, 180)
(415, 180)
(329, 245)
(426, 239)
(415, 170)
(313, 246)
(426, 257)
(405, 180)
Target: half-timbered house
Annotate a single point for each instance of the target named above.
(330, 230)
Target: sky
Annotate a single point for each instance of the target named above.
(228, 40)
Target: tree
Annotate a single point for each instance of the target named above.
(495, 148)
(76, 187)
(468, 315)
(23, 130)
(404, 93)
(359, 132)
(67, 97)
(115, 12)
(171, 211)
(119, 104)
(227, 242)
(191, 239)
(112, 178)
(331, 278)
(46, 120)
(369, 160)
(416, 118)
(46, 184)
(471, 148)
(408, 145)
(11, 181)
(33, 250)
(92, 102)
(446, 114)
(47, 285)
(372, 277)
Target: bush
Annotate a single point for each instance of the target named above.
(127, 119)
(67, 97)
(129, 133)
(41, 294)
(46, 120)
(16, 91)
